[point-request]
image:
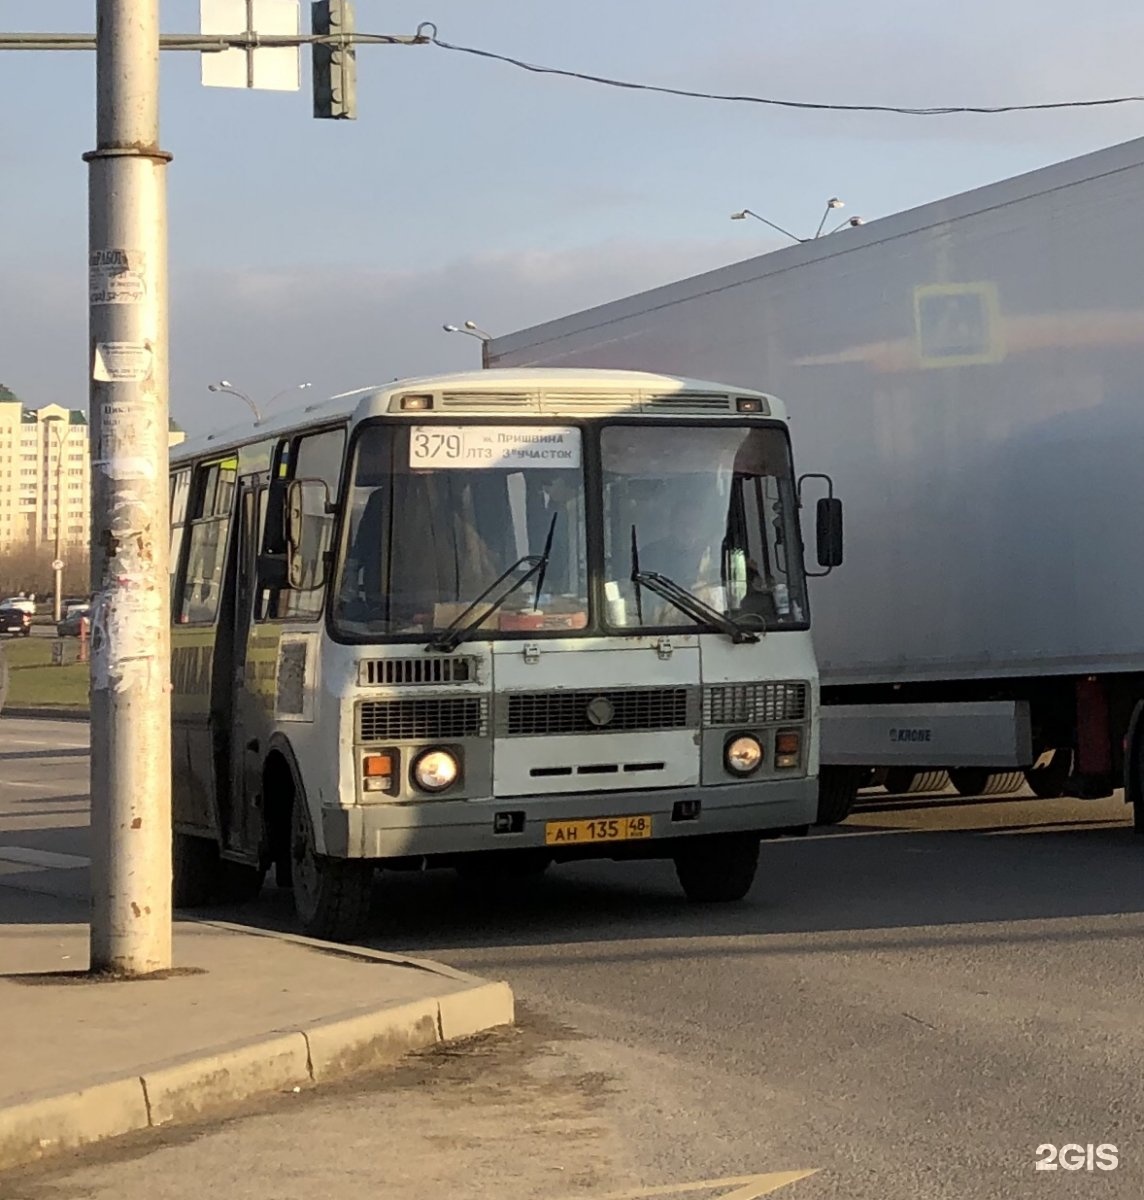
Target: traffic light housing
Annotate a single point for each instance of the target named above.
(335, 66)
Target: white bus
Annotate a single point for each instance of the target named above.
(490, 621)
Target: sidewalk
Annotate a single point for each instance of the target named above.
(245, 1013)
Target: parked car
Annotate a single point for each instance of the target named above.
(70, 625)
(20, 602)
(15, 621)
(71, 606)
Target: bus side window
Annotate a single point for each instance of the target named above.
(180, 494)
(317, 456)
(210, 514)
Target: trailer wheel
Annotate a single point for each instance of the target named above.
(905, 781)
(196, 871)
(980, 781)
(718, 868)
(331, 895)
(837, 791)
(1048, 781)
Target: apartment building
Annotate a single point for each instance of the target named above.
(44, 477)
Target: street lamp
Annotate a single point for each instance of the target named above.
(831, 204)
(296, 387)
(58, 562)
(744, 213)
(473, 330)
(224, 385)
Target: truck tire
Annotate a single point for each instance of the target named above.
(1048, 781)
(331, 895)
(980, 781)
(905, 781)
(837, 791)
(718, 868)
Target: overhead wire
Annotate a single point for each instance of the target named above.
(428, 31)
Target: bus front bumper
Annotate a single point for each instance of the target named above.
(451, 827)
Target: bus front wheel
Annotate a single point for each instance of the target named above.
(718, 868)
(331, 895)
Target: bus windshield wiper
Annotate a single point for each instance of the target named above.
(687, 603)
(464, 623)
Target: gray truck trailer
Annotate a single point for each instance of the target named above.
(970, 374)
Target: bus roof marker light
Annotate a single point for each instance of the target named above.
(416, 403)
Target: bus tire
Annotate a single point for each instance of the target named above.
(980, 781)
(718, 868)
(196, 871)
(331, 895)
(837, 791)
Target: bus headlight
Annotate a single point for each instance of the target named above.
(743, 755)
(435, 770)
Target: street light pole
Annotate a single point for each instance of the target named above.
(224, 386)
(473, 330)
(130, 647)
(57, 562)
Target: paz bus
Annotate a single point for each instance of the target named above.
(490, 621)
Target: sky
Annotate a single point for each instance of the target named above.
(331, 253)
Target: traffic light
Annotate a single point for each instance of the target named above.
(335, 66)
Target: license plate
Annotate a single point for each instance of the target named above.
(603, 829)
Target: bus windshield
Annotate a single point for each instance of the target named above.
(712, 509)
(438, 512)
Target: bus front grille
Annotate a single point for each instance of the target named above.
(754, 703)
(392, 672)
(432, 719)
(626, 710)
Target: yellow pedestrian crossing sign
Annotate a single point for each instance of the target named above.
(958, 324)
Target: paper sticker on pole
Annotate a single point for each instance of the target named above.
(117, 276)
(122, 362)
(122, 444)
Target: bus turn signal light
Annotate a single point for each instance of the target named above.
(788, 748)
(377, 772)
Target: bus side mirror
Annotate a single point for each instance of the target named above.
(828, 519)
(307, 509)
(828, 522)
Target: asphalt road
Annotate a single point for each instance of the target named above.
(909, 1006)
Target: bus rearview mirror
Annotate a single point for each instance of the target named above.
(828, 519)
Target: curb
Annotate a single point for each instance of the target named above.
(44, 714)
(191, 1088)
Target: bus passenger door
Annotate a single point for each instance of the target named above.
(245, 732)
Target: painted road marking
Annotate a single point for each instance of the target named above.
(19, 745)
(28, 857)
(743, 1187)
(43, 787)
